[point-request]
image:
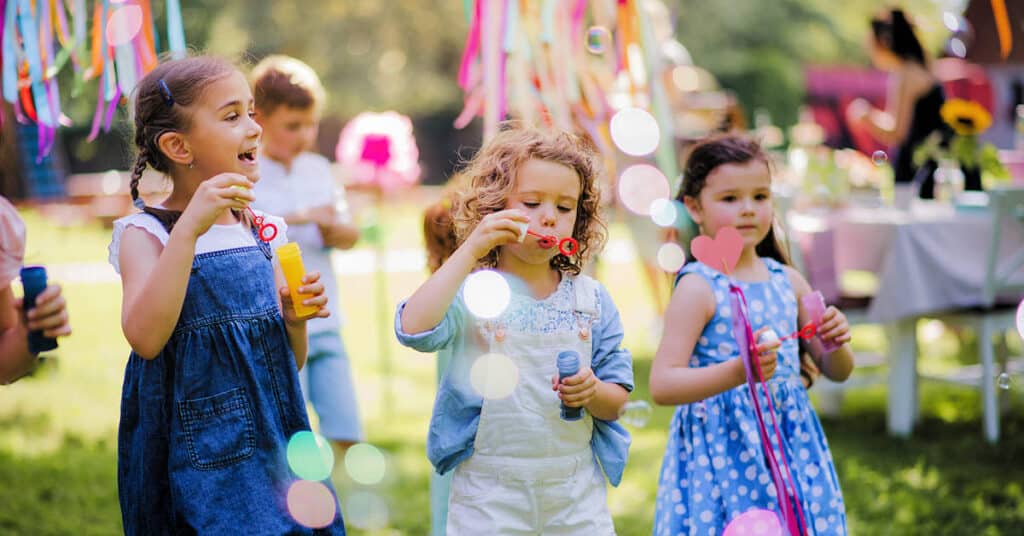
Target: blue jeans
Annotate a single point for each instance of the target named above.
(327, 384)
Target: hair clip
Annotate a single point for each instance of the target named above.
(166, 92)
(139, 203)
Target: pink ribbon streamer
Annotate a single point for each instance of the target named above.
(793, 520)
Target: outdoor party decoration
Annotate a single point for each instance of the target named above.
(571, 65)
(378, 150)
(42, 37)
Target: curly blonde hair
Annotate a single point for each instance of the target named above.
(491, 179)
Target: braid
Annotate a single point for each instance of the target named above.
(140, 166)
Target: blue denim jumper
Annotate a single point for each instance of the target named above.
(205, 425)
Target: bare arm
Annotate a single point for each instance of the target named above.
(837, 365)
(609, 400)
(154, 280)
(15, 359)
(426, 307)
(892, 125)
(672, 379)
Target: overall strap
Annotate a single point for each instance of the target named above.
(586, 294)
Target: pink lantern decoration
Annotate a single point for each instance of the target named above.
(378, 149)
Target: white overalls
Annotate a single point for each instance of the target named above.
(532, 472)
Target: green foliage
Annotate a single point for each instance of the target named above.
(759, 49)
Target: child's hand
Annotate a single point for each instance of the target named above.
(494, 230)
(49, 315)
(213, 197)
(324, 215)
(577, 390)
(834, 326)
(767, 353)
(310, 285)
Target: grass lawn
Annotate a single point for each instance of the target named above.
(58, 428)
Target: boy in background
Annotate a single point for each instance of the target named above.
(297, 184)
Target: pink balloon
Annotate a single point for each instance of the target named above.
(757, 522)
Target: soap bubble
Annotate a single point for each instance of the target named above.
(636, 413)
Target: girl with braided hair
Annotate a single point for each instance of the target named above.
(211, 392)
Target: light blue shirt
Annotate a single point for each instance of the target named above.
(456, 413)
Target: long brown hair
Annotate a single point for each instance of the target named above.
(719, 150)
(162, 100)
(491, 176)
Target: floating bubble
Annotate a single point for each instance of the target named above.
(311, 504)
(640, 185)
(123, 25)
(636, 413)
(494, 376)
(686, 78)
(758, 522)
(310, 456)
(880, 158)
(956, 47)
(365, 464)
(486, 294)
(635, 131)
(1003, 381)
(366, 510)
(599, 39)
(671, 257)
(663, 212)
(111, 182)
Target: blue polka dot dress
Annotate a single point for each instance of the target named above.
(714, 467)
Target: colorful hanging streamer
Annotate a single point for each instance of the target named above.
(570, 64)
(40, 38)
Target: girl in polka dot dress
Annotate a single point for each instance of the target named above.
(714, 467)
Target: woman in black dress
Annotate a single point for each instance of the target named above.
(915, 97)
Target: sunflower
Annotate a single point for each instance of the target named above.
(966, 117)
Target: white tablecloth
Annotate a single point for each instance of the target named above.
(928, 260)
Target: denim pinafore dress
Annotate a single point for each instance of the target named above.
(205, 425)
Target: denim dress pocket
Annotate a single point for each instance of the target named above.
(219, 429)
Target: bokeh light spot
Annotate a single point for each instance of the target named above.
(486, 293)
(311, 504)
(640, 186)
(310, 455)
(365, 464)
(663, 212)
(671, 257)
(123, 25)
(494, 376)
(635, 131)
(366, 510)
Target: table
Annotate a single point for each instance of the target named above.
(928, 260)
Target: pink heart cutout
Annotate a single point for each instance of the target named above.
(719, 253)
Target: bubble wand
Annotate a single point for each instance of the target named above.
(567, 246)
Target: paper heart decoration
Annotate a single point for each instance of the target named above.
(720, 253)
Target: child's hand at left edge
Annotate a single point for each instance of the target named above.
(577, 390)
(310, 285)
